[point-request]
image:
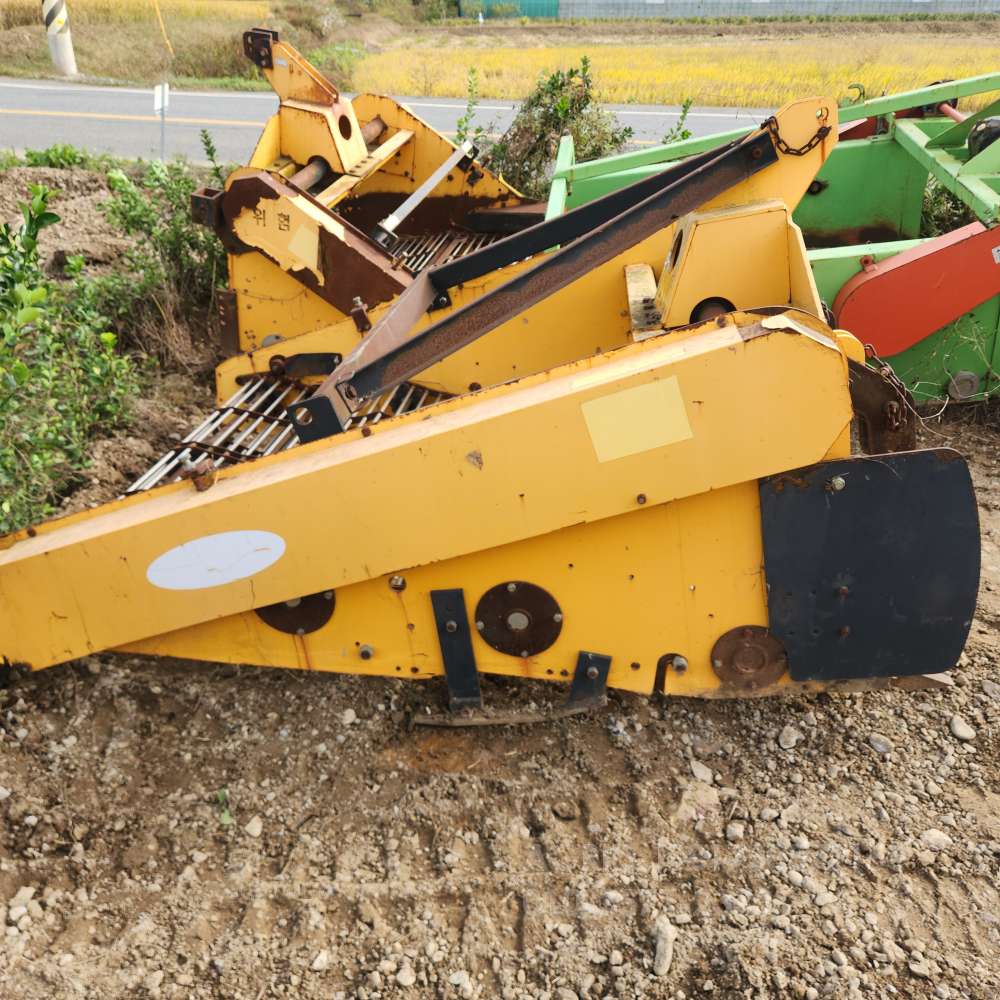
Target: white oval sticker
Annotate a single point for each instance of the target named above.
(214, 560)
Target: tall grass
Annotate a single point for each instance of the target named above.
(15, 13)
(746, 72)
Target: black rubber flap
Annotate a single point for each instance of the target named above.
(872, 564)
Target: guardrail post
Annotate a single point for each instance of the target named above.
(56, 17)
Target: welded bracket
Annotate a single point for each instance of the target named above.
(455, 640)
(257, 44)
(589, 688)
(958, 134)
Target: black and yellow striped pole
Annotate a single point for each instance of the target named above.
(56, 18)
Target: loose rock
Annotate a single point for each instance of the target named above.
(789, 738)
(960, 729)
(702, 771)
(664, 934)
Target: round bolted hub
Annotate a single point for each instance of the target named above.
(299, 615)
(748, 657)
(518, 618)
(518, 621)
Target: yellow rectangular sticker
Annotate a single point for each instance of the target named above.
(638, 419)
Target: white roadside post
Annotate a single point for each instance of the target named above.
(56, 18)
(161, 101)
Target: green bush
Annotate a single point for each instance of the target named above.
(561, 103)
(169, 277)
(61, 380)
(62, 156)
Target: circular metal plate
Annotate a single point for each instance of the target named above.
(300, 615)
(748, 657)
(518, 618)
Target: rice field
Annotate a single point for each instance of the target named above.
(15, 13)
(737, 72)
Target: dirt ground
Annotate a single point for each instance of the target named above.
(193, 830)
(78, 196)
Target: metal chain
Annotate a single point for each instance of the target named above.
(772, 127)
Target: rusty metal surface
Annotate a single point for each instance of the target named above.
(506, 218)
(748, 658)
(518, 618)
(316, 171)
(229, 322)
(350, 263)
(433, 214)
(887, 420)
(371, 131)
(300, 615)
(206, 207)
(389, 355)
(257, 43)
(429, 249)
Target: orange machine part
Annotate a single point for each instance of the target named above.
(894, 304)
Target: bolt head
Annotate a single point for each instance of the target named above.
(640, 499)
(837, 483)
(680, 664)
(480, 626)
(451, 626)
(397, 582)
(557, 617)
(592, 673)
(511, 587)
(366, 652)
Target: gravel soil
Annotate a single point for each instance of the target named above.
(183, 830)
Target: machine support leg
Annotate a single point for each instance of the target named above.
(589, 688)
(455, 640)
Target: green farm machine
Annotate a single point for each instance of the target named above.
(929, 304)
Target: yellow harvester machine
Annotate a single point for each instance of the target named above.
(614, 448)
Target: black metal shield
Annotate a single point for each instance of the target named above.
(872, 564)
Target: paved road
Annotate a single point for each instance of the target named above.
(36, 114)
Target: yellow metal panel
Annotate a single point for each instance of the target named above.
(660, 580)
(268, 147)
(421, 157)
(804, 293)
(637, 419)
(271, 303)
(714, 261)
(587, 317)
(295, 78)
(473, 473)
(287, 230)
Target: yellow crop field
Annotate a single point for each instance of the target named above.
(112, 11)
(743, 72)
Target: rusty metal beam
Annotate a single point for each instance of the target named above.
(389, 355)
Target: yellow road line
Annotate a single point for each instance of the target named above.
(180, 121)
(130, 118)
